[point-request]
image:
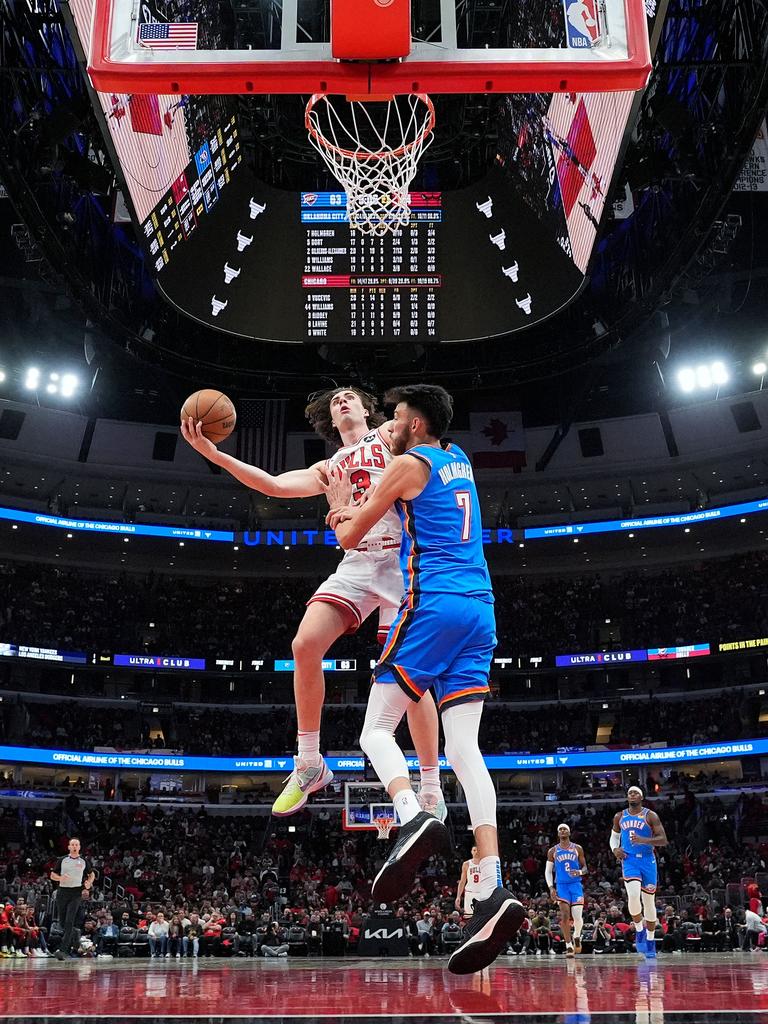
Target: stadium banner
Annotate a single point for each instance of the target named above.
(651, 522)
(43, 654)
(155, 661)
(330, 665)
(327, 538)
(599, 658)
(743, 645)
(16, 515)
(356, 762)
(675, 653)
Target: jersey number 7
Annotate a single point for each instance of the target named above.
(464, 502)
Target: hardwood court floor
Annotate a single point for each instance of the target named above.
(688, 989)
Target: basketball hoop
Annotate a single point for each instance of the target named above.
(383, 827)
(373, 147)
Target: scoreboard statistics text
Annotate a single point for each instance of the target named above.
(369, 287)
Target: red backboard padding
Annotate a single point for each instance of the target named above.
(370, 29)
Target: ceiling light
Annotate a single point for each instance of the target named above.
(69, 385)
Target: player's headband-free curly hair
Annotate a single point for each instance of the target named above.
(430, 400)
(318, 412)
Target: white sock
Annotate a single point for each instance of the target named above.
(650, 934)
(429, 777)
(406, 805)
(309, 747)
(490, 877)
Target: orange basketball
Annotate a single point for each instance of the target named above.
(214, 410)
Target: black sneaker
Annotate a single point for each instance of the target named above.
(494, 922)
(60, 954)
(422, 837)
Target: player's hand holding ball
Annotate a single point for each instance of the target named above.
(207, 417)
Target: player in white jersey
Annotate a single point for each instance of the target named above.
(367, 579)
(469, 884)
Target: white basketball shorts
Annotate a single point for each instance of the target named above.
(363, 582)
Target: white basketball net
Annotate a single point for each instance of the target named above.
(373, 148)
(383, 827)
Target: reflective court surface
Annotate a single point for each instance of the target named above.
(685, 989)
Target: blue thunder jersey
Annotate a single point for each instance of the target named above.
(566, 857)
(442, 545)
(637, 823)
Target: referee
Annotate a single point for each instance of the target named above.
(73, 874)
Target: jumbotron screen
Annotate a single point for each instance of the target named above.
(257, 262)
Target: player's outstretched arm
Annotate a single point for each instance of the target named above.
(298, 483)
(403, 478)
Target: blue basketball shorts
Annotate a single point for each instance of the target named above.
(570, 892)
(642, 869)
(440, 641)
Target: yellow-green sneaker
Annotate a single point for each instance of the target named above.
(303, 780)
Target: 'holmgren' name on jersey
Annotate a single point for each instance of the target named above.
(455, 471)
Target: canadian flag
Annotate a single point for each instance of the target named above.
(498, 440)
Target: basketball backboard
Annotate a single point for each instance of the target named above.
(293, 47)
(364, 802)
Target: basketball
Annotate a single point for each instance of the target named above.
(214, 410)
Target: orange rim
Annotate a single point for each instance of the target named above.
(382, 154)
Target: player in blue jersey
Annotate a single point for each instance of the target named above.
(636, 833)
(566, 866)
(442, 638)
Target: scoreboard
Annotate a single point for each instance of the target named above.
(370, 287)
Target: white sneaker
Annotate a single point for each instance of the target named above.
(433, 804)
(167, 956)
(178, 956)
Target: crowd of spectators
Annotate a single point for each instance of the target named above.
(41, 605)
(505, 728)
(192, 883)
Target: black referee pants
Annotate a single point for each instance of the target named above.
(67, 905)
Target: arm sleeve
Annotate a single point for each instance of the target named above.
(615, 840)
(549, 874)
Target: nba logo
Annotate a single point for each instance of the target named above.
(581, 23)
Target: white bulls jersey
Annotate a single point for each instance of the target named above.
(368, 578)
(472, 888)
(365, 461)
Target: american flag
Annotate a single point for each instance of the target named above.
(261, 433)
(161, 35)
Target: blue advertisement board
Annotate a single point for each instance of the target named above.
(113, 760)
